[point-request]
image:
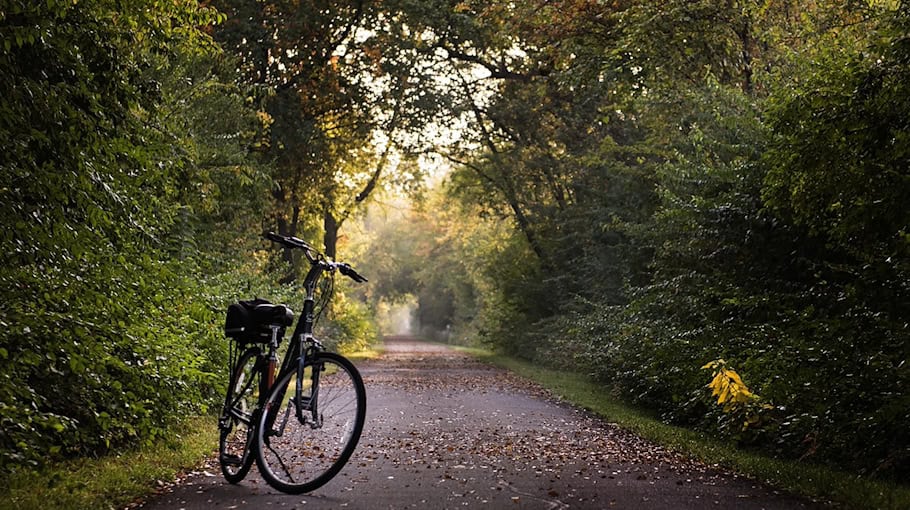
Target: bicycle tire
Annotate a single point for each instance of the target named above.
(238, 415)
(297, 456)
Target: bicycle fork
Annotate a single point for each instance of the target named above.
(307, 403)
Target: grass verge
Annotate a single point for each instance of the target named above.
(111, 482)
(815, 482)
(371, 352)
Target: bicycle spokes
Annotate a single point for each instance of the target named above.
(306, 446)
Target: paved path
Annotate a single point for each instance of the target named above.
(445, 431)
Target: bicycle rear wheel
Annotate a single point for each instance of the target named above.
(302, 445)
(234, 446)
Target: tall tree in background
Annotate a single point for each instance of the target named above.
(290, 52)
(547, 145)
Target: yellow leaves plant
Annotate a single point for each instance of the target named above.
(727, 385)
(732, 393)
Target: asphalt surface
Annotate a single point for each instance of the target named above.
(445, 431)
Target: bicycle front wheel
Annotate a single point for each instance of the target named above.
(305, 439)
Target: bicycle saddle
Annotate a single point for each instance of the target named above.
(273, 314)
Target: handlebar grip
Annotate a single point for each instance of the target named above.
(348, 271)
(290, 242)
(271, 236)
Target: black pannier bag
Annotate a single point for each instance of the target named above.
(250, 321)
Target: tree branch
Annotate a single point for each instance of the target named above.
(498, 71)
(329, 49)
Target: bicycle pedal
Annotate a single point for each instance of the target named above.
(230, 460)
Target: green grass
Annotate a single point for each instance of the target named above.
(112, 481)
(371, 352)
(815, 482)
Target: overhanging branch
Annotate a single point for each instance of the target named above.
(497, 71)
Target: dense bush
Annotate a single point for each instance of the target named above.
(350, 326)
(790, 264)
(107, 339)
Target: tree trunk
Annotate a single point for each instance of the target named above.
(287, 228)
(330, 236)
(748, 49)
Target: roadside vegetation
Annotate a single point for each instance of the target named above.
(807, 479)
(114, 481)
(683, 194)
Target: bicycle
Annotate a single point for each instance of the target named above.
(300, 422)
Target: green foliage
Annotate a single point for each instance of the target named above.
(341, 84)
(813, 322)
(108, 337)
(433, 252)
(111, 481)
(847, 181)
(350, 327)
(642, 188)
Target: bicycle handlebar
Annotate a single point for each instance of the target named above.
(346, 269)
(290, 242)
(315, 257)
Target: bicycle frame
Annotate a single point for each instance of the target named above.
(303, 346)
(303, 331)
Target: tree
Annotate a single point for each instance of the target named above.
(333, 83)
(545, 144)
